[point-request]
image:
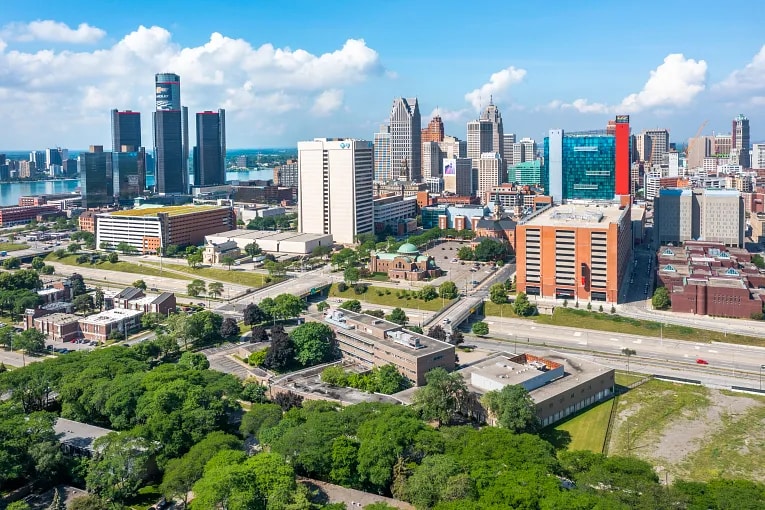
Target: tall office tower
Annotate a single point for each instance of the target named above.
(690, 214)
(579, 166)
(453, 147)
(210, 150)
(758, 155)
(621, 134)
(56, 156)
(528, 149)
(457, 174)
(96, 177)
(38, 158)
(699, 148)
(491, 172)
(740, 141)
(643, 147)
(508, 144)
(383, 160)
(335, 188)
(479, 139)
(659, 144)
(491, 113)
(723, 146)
(129, 173)
(405, 138)
(171, 136)
(126, 129)
(611, 127)
(434, 132)
(432, 157)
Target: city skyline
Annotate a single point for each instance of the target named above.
(329, 75)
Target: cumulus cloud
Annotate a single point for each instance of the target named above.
(674, 83)
(53, 31)
(54, 87)
(451, 116)
(498, 84)
(750, 79)
(327, 102)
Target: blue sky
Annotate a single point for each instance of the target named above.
(294, 70)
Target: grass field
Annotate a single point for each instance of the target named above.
(625, 379)
(13, 246)
(122, 267)
(618, 324)
(587, 430)
(248, 278)
(389, 297)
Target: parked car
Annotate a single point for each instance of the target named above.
(702, 361)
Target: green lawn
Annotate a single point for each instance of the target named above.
(122, 267)
(389, 297)
(13, 246)
(505, 310)
(618, 324)
(587, 430)
(625, 379)
(241, 277)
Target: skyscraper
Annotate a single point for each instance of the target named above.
(480, 139)
(335, 188)
(579, 166)
(740, 141)
(96, 178)
(659, 144)
(171, 136)
(406, 139)
(491, 114)
(126, 130)
(383, 162)
(621, 133)
(434, 132)
(210, 151)
(491, 170)
(129, 174)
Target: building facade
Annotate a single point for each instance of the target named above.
(383, 159)
(96, 177)
(431, 160)
(528, 173)
(434, 131)
(491, 172)
(492, 114)
(390, 211)
(740, 141)
(406, 139)
(457, 174)
(210, 150)
(335, 194)
(129, 175)
(659, 144)
(126, 130)
(407, 264)
(579, 166)
(622, 155)
(698, 214)
(286, 175)
(171, 136)
(575, 252)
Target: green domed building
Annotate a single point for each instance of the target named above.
(405, 264)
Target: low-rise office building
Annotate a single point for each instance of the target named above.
(392, 211)
(58, 327)
(100, 326)
(273, 241)
(15, 215)
(377, 342)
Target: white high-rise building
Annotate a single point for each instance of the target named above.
(509, 143)
(335, 188)
(758, 155)
(431, 160)
(480, 139)
(452, 147)
(383, 162)
(491, 170)
(659, 144)
(405, 137)
(643, 147)
(491, 114)
(740, 141)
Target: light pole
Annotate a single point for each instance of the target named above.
(761, 368)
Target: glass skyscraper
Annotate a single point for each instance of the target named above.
(95, 169)
(126, 130)
(129, 175)
(171, 136)
(579, 166)
(210, 150)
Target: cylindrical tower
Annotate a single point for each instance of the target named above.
(168, 91)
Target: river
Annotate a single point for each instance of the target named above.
(11, 191)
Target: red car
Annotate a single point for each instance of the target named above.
(702, 361)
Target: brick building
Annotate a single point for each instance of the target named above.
(711, 279)
(100, 326)
(58, 327)
(87, 221)
(15, 215)
(575, 251)
(376, 342)
(406, 264)
(262, 194)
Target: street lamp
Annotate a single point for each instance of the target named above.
(761, 368)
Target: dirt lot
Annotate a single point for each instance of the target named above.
(692, 432)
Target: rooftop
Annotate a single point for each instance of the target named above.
(175, 210)
(113, 315)
(60, 318)
(578, 215)
(263, 234)
(78, 434)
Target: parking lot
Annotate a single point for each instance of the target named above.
(463, 273)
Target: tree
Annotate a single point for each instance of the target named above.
(428, 293)
(513, 408)
(258, 334)
(322, 306)
(432, 481)
(351, 275)
(253, 315)
(105, 245)
(257, 358)
(480, 328)
(98, 299)
(281, 353)
(228, 260)
(11, 263)
(113, 258)
(443, 397)
(354, 305)
(254, 393)
(398, 316)
(321, 251)
(140, 284)
(660, 299)
(194, 259)
(287, 306)
(37, 263)
(215, 289)
(522, 306)
(629, 353)
(78, 284)
(19, 505)
(196, 287)
(448, 290)
(260, 417)
(60, 253)
(490, 249)
(758, 261)
(344, 258)
(498, 294)
(125, 248)
(83, 303)
(315, 343)
(73, 247)
(288, 400)
(204, 327)
(465, 253)
(30, 340)
(375, 313)
(151, 320)
(47, 270)
(438, 333)
(252, 249)
(119, 470)
(229, 328)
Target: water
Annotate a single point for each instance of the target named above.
(11, 191)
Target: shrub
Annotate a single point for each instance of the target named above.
(257, 358)
(565, 303)
(600, 308)
(359, 288)
(342, 287)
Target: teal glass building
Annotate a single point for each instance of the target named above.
(579, 165)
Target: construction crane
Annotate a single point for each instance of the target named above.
(692, 142)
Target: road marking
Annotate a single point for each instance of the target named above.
(696, 347)
(582, 343)
(533, 327)
(712, 351)
(638, 341)
(614, 339)
(685, 355)
(577, 333)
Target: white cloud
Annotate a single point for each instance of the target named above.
(327, 102)
(497, 85)
(749, 80)
(54, 87)
(53, 31)
(452, 116)
(675, 83)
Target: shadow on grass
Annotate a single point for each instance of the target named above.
(560, 439)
